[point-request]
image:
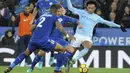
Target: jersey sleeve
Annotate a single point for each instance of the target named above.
(109, 23)
(74, 10)
(70, 19)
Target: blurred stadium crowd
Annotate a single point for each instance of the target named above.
(114, 10)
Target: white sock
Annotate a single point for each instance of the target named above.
(81, 53)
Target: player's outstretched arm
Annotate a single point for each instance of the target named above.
(71, 8)
(109, 23)
(112, 24)
(34, 14)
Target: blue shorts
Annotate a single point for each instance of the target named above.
(46, 44)
(61, 41)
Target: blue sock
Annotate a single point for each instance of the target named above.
(52, 53)
(81, 53)
(41, 59)
(59, 59)
(18, 60)
(35, 61)
(67, 55)
(58, 68)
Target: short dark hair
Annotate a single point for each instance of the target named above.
(55, 7)
(91, 2)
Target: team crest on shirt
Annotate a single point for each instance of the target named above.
(50, 3)
(60, 19)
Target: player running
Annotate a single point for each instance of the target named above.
(88, 19)
(58, 37)
(43, 6)
(45, 24)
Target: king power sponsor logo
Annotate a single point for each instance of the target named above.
(111, 41)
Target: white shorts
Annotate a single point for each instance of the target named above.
(79, 40)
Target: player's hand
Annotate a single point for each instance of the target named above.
(80, 26)
(123, 28)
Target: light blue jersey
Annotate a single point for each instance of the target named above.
(88, 21)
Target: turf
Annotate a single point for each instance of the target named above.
(73, 70)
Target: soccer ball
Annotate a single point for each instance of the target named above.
(83, 68)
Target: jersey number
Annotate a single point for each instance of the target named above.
(41, 21)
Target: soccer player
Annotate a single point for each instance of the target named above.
(88, 19)
(43, 6)
(45, 24)
(58, 37)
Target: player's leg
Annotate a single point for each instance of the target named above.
(26, 41)
(87, 45)
(52, 45)
(59, 56)
(40, 63)
(69, 52)
(61, 49)
(59, 59)
(51, 61)
(67, 56)
(63, 58)
(79, 40)
(36, 60)
(20, 58)
(85, 41)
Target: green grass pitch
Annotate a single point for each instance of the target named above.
(73, 70)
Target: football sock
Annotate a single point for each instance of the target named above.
(41, 59)
(52, 53)
(59, 59)
(35, 61)
(81, 53)
(18, 60)
(67, 56)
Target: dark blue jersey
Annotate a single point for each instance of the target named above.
(44, 6)
(45, 25)
(63, 20)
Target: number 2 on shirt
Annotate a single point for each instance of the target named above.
(41, 21)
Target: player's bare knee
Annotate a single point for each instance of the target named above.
(27, 52)
(70, 49)
(87, 44)
(41, 53)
